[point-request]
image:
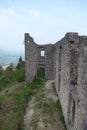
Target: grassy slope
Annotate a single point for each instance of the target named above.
(14, 100)
(9, 117)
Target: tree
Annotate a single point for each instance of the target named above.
(1, 70)
(9, 73)
(20, 64)
(20, 70)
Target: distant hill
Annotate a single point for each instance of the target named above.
(9, 57)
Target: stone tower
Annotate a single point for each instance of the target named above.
(38, 56)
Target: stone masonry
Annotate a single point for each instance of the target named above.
(66, 63)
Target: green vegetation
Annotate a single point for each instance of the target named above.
(9, 118)
(13, 102)
(61, 117)
(46, 111)
(12, 74)
(41, 73)
(14, 97)
(11, 82)
(19, 73)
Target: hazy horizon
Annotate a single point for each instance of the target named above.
(8, 58)
(3, 51)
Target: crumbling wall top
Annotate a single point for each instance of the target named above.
(72, 36)
(28, 38)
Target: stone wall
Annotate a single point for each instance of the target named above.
(66, 63)
(62, 74)
(49, 61)
(31, 58)
(34, 60)
(81, 120)
(71, 79)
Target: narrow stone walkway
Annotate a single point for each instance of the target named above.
(42, 112)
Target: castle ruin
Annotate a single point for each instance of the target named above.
(66, 63)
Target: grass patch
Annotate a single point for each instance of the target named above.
(60, 113)
(46, 110)
(54, 88)
(34, 122)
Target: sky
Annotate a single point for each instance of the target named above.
(47, 21)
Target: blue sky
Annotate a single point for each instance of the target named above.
(47, 21)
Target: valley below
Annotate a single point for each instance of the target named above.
(7, 58)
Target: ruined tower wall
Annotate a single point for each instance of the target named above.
(34, 60)
(31, 58)
(66, 63)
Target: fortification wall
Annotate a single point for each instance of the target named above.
(71, 79)
(62, 73)
(66, 63)
(81, 113)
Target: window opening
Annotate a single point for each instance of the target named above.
(42, 53)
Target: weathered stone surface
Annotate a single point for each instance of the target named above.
(66, 63)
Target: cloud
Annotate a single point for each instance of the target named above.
(9, 19)
(11, 29)
(34, 13)
(6, 16)
(8, 11)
